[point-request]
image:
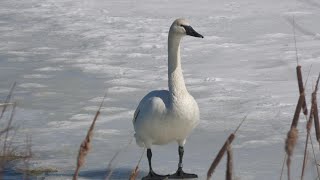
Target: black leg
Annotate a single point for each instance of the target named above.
(180, 174)
(149, 155)
(181, 152)
(152, 175)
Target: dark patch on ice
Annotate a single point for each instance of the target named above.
(10, 174)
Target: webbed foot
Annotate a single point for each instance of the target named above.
(182, 175)
(153, 176)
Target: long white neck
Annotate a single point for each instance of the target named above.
(176, 83)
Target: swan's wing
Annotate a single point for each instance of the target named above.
(136, 114)
(158, 98)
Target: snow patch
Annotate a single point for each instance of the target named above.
(44, 94)
(137, 55)
(47, 69)
(104, 109)
(298, 13)
(107, 132)
(276, 35)
(122, 89)
(37, 76)
(82, 117)
(32, 85)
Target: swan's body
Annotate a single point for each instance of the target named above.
(170, 115)
(163, 120)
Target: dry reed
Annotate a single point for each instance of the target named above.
(316, 121)
(305, 159)
(8, 152)
(292, 135)
(6, 102)
(283, 163)
(290, 144)
(301, 89)
(86, 143)
(296, 116)
(135, 172)
(294, 38)
(305, 111)
(111, 162)
(5, 130)
(220, 155)
(229, 163)
(222, 151)
(309, 124)
(315, 158)
(28, 156)
(313, 115)
(315, 110)
(4, 150)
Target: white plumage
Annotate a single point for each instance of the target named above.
(170, 115)
(165, 116)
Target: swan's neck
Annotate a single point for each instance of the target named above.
(176, 83)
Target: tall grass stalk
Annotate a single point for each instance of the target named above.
(316, 112)
(135, 172)
(7, 100)
(111, 163)
(4, 150)
(229, 169)
(86, 143)
(301, 89)
(222, 151)
(292, 135)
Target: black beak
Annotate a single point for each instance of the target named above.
(191, 32)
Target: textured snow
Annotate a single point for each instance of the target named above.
(49, 69)
(36, 76)
(66, 54)
(32, 85)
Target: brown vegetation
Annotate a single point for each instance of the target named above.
(226, 147)
(86, 143)
(8, 153)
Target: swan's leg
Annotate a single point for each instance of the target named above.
(152, 175)
(180, 174)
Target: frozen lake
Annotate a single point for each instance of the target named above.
(65, 54)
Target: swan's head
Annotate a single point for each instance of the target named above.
(181, 27)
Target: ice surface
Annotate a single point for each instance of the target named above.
(65, 54)
(31, 85)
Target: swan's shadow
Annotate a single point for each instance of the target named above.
(98, 174)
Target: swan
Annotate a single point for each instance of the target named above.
(163, 116)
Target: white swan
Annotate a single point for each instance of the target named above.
(164, 116)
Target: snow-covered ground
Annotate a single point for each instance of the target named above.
(65, 54)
